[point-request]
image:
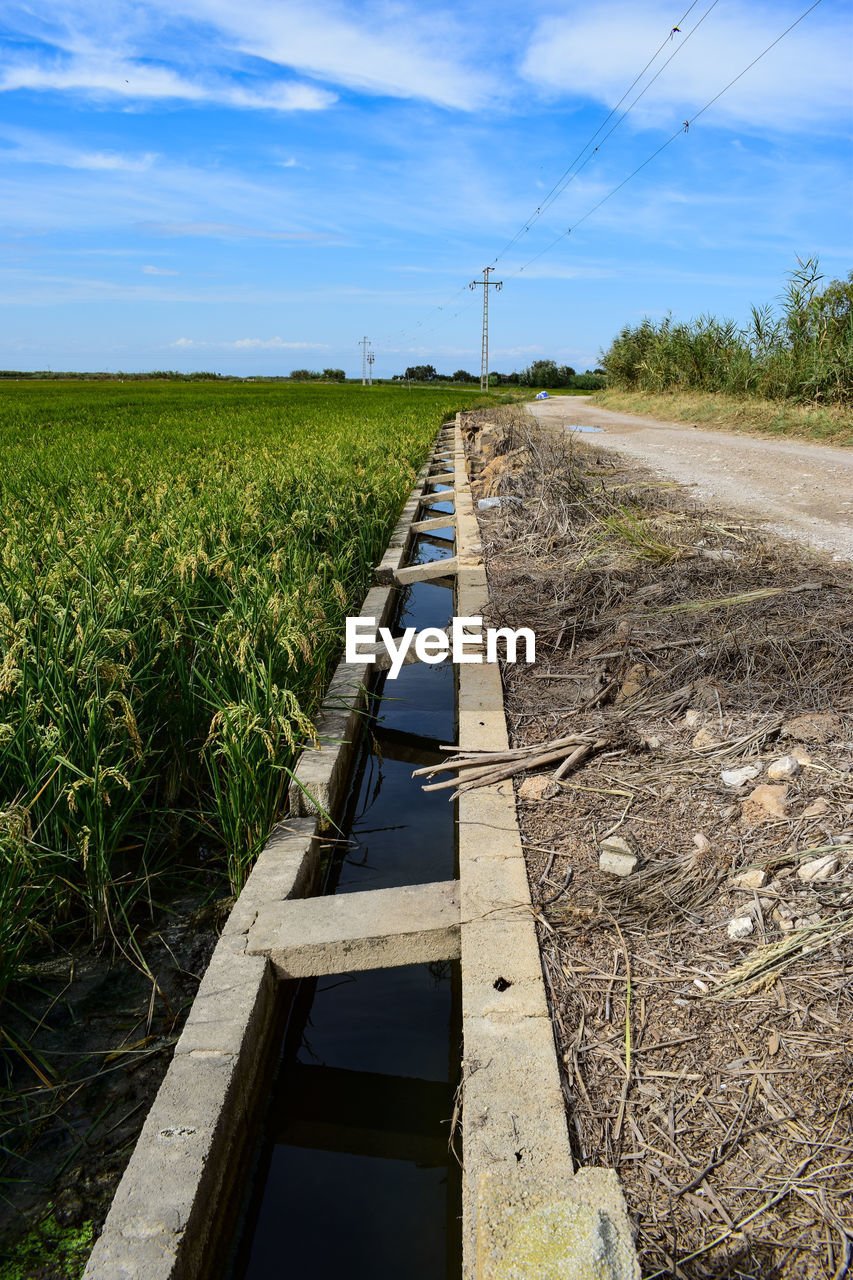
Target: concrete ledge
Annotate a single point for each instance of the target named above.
(162, 1218)
(377, 929)
(555, 1227)
(526, 1215)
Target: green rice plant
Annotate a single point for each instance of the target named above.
(176, 562)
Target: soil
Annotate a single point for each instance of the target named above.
(804, 491)
(711, 1070)
(94, 1030)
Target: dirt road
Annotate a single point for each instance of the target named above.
(804, 491)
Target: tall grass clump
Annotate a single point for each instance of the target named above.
(176, 562)
(802, 352)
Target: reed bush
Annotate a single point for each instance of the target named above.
(176, 561)
(804, 351)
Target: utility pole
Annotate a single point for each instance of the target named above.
(484, 354)
(364, 345)
(371, 356)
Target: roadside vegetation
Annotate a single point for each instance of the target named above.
(175, 565)
(788, 372)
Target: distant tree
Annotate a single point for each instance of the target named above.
(462, 375)
(421, 373)
(304, 375)
(334, 375)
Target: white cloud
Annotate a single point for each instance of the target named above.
(158, 271)
(596, 51)
(125, 78)
(400, 52)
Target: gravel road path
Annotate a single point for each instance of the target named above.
(804, 491)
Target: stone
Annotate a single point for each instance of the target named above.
(755, 878)
(814, 726)
(784, 768)
(817, 808)
(693, 719)
(541, 788)
(817, 869)
(706, 737)
(783, 916)
(653, 742)
(766, 801)
(617, 857)
(739, 777)
(701, 841)
(740, 927)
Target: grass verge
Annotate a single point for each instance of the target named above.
(828, 424)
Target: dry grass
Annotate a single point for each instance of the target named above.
(831, 424)
(714, 1074)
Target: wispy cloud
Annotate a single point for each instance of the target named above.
(247, 344)
(28, 147)
(227, 231)
(158, 271)
(134, 80)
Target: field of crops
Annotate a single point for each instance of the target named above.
(176, 561)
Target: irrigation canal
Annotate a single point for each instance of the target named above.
(357, 1130)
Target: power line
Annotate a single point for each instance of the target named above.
(684, 128)
(560, 185)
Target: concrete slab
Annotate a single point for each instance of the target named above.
(377, 929)
(434, 522)
(426, 572)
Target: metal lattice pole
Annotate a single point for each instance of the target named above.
(484, 350)
(363, 345)
(371, 356)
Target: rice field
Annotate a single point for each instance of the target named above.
(176, 561)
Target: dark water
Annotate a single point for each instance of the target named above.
(354, 1178)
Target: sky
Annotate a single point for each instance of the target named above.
(254, 187)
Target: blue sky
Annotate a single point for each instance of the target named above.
(252, 187)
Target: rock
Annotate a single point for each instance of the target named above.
(766, 801)
(818, 868)
(817, 808)
(693, 719)
(753, 879)
(542, 788)
(706, 737)
(618, 864)
(783, 768)
(740, 927)
(814, 726)
(701, 841)
(807, 922)
(801, 755)
(653, 743)
(783, 916)
(738, 777)
(616, 857)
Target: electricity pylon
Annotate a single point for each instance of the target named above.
(484, 353)
(371, 356)
(363, 344)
